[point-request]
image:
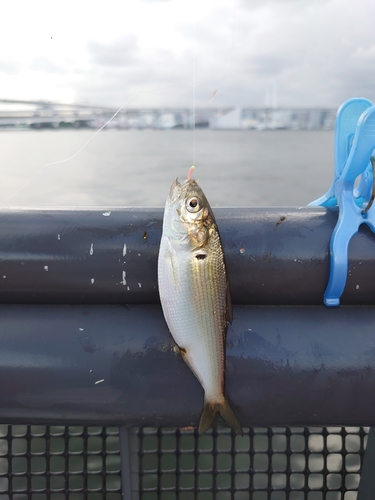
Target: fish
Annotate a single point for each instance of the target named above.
(195, 295)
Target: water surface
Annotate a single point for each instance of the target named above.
(136, 167)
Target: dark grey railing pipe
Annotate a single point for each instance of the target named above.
(83, 339)
(108, 256)
(115, 365)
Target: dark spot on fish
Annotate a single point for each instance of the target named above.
(201, 256)
(182, 350)
(282, 218)
(145, 235)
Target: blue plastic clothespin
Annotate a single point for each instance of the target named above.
(352, 202)
(347, 118)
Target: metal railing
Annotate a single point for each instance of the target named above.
(85, 351)
(76, 462)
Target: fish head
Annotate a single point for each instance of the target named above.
(188, 216)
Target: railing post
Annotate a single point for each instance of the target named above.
(129, 463)
(366, 490)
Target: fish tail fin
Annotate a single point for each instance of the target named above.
(228, 415)
(208, 415)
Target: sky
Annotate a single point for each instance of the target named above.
(167, 53)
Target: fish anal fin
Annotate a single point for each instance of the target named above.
(208, 415)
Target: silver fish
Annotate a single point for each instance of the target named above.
(194, 293)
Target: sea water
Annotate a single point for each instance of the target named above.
(137, 167)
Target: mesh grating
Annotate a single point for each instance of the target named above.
(75, 463)
(269, 463)
(53, 462)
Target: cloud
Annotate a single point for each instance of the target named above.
(45, 64)
(311, 51)
(318, 52)
(296, 5)
(10, 67)
(123, 52)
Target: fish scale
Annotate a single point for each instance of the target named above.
(193, 289)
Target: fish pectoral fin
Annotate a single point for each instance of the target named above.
(170, 256)
(208, 415)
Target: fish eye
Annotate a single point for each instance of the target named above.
(193, 204)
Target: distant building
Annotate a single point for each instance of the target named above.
(40, 114)
(166, 121)
(231, 120)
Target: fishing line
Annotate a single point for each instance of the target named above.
(193, 85)
(90, 139)
(194, 52)
(230, 62)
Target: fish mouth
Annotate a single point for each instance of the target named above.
(174, 191)
(177, 189)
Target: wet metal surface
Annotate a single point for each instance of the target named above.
(83, 338)
(116, 365)
(109, 256)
